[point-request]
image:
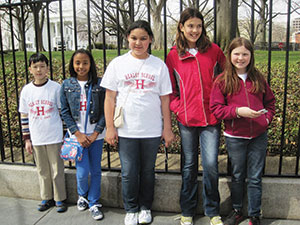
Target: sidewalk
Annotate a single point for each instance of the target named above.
(14, 211)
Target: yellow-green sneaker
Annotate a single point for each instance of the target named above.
(186, 220)
(216, 220)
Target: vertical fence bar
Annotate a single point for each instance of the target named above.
(131, 10)
(75, 24)
(180, 6)
(108, 156)
(215, 21)
(298, 152)
(49, 41)
(285, 86)
(62, 39)
(5, 90)
(103, 36)
(252, 21)
(270, 41)
(24, 42)
(89, 24)
(15, 81)
(118, 27)
(165, 57)
(165, 31)
(1, 142)
(149, 20)
(36, 22)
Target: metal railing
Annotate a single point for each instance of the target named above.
(10, 126)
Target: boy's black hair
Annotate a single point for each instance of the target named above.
(38, 57)
(140, 24)
(92, 75)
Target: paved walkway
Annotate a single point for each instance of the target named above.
(14, 211)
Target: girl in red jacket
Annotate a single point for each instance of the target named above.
(243, 99)
(191, 65)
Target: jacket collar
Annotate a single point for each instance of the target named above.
(185, 56)
(74, 80)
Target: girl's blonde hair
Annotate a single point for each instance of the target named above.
(203, 43)
(230, 80)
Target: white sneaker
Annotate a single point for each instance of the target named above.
(145, 216)
(96, 213)
(131, 219)
(82, 203)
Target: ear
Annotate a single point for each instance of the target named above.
(29, 68)
(181, 27)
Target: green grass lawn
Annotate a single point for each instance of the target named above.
(260, 55)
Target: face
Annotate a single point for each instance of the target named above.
(39, 70)
(82, 64)
(139, 41)
(240, 59)
(192, 30)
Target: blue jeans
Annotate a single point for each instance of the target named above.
(90, 164)
(247, 159)
(138, 156)
(208, 137)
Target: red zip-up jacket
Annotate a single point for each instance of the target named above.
(192, 79)
(224, 108)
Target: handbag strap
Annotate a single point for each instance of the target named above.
(88, 106)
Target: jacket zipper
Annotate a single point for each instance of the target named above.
(251, 129)
(201, 90)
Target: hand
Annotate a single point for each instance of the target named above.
(248, 113)
(28, 146)
(83, 139)
(93, 136)
(168, 136)
(111, 136)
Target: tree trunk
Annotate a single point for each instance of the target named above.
(226, 22)
(155, 10)
(262, 23)
(157, 31)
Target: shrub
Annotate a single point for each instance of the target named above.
(277, 84)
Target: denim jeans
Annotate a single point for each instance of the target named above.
(138, 156)
(247, 159)
(208, 137)
(90, 164)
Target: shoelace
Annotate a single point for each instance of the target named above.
(95, 207)
(82, 199)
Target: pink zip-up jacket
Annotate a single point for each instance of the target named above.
(192, 79)
(224, 108)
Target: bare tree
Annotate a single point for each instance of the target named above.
(112, 25)
(262, 9)
(38, 11)
(226, 21)
(19, 30)
(155, 11)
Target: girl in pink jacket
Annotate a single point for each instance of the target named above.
(191, 64)
(243, 99)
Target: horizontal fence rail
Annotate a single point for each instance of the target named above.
(70, 25)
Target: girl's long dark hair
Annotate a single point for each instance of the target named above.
(92, 75)
(230, 80)
(203, 43)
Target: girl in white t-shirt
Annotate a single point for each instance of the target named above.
(140, 84)
(73, 98)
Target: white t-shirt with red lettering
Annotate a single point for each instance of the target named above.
(139, 84)
(42, 104)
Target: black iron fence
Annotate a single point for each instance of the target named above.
(88, 23)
